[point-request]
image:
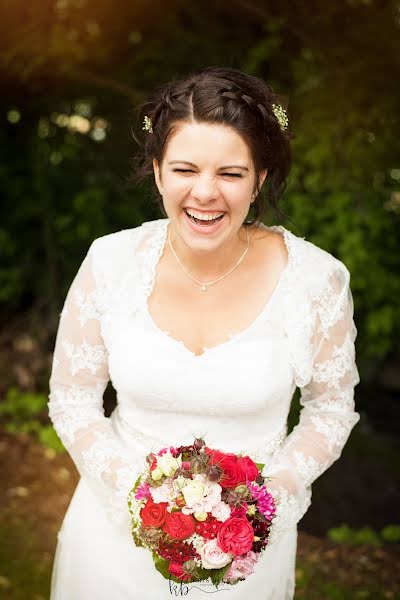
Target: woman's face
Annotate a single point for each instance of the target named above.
(206, 179)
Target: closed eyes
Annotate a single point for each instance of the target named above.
(191, 171)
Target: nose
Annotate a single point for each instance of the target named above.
(204, 188)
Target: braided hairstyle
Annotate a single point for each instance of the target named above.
(226, 96)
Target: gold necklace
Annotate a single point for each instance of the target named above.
(203, 286)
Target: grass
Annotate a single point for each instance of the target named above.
(25, 569)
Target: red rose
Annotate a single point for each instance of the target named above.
(216, 455)
(232, 474)
(176, 569)
(152, 514)
(235, 535)
(179, 526)
(248, 468)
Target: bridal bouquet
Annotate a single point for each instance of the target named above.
(202, 513)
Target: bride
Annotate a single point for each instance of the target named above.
(205, 321)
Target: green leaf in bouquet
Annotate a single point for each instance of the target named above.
(217, 575)
(161, 564)
(137, 483)
(260, 466)
(201, 574)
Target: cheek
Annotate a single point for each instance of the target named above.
(174, 190)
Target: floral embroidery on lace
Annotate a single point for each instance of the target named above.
(341, 402)
(98, 456)
(330, 306)
(87, 305)
(308, 467)
(335, 432)
(331, 371)
(85, 356)
(289, 510)
(83, 401)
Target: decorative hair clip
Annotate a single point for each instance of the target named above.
(281, 115)
(147, 124)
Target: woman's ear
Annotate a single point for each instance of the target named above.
(261, 180)
(157, 175)
(262, 177)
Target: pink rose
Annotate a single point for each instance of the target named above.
(241, 567)
(212, 557)
(235, 535)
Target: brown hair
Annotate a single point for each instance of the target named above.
(228, 96)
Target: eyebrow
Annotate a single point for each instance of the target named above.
(171, 162)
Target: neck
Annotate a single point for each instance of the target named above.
(208, 264)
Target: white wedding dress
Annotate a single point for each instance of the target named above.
(237, 395)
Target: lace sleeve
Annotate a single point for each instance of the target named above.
(78, 379)
(327, 400)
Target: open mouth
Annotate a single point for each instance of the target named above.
(206, 221)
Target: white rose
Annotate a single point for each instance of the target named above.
(168, 463)
(193, 492)
(212, 557)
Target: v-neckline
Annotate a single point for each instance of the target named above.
(233, 337)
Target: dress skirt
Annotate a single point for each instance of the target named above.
(96, 561)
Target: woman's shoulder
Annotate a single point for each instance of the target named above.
(126, 240)
(309, 264)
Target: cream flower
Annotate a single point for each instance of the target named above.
(168, 463)
(156, 474)
(212, 557)
(200, 516)
(193, 492)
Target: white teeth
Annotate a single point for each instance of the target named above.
(203, 216)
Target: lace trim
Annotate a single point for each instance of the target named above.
(260, 453)
(129, 432)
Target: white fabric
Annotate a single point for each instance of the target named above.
(237, 395)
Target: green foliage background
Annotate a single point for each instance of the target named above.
(67, 65)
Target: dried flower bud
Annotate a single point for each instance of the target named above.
(189, 566)
(150, 535)
(198, 443)
(214, 473)
(149, 458)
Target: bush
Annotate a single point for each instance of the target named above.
(26, 412)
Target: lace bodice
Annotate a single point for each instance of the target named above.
(236, 394)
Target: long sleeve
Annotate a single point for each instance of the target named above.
(328, 412)
(78, 379)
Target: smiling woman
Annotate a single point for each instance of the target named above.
(278, 314)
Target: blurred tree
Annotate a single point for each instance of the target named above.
(74, 70)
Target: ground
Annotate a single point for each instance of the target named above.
(38, 485)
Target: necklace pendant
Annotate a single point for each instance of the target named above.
(203, 288)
